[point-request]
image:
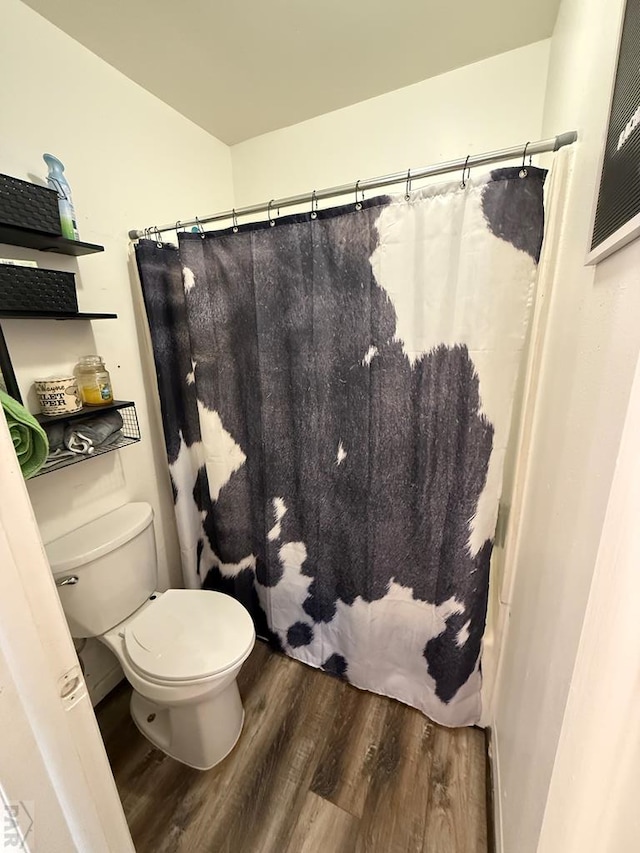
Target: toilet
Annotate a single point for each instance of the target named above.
(181, 650)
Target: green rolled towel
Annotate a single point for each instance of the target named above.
(29, 439)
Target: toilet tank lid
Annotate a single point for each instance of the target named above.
(98, 537)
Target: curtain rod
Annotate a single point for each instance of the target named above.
(543, 146)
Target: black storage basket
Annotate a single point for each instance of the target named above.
(26, 205)
(31, 289)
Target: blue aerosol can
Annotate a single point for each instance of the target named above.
(58, 182)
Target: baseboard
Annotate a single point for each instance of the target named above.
(105, 685)
(494, 814)
(489, 669)
(100, 668)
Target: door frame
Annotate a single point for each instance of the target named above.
(592, 802)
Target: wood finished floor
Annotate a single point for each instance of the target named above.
(321, 767)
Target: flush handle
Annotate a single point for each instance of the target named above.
(68, 580)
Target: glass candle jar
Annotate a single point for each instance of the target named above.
(94, 381)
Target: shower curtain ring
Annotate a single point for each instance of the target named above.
(407, 189)
(234, 219)
(523, 171)
(466, 169)
(358, 203)
(159, 242)
(179, 225)
(272, 221)
(314, 205)
(200, 228)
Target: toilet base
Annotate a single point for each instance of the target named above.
(199, 735)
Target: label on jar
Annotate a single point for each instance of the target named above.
(97, 395)
(58, 396)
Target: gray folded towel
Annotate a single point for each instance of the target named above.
(56, 456)
(85, 435)
(61, 453)
(114, 438)
(55, 434)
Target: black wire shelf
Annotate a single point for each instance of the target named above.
(84, 412)
(130, 433)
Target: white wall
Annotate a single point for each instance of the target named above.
(131, 161)
(491, 104)
(589, 357)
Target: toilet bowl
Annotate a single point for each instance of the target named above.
(189, 709)
(181, 650)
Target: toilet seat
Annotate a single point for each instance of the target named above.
(188, 635)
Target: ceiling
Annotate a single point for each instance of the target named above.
(239, 69)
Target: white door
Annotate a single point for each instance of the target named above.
(57, 792)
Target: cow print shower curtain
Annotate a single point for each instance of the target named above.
(336, 396)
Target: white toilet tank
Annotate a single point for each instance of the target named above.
(114, 561)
